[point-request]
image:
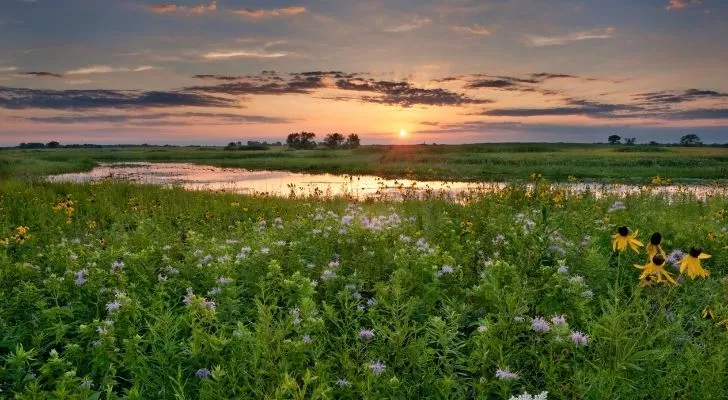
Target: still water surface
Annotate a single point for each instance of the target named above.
(285, 184)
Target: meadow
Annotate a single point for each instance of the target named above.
(121, 291)
(475, 162)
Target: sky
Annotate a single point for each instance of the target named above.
(391, 71)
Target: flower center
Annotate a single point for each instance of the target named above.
(623, 231)
(656, 238)
(695, 251)
(658, 259)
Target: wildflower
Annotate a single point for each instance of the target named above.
(328, 274)
(223, 280)
(527, 396)
(366, 334)
(557, 249)
(81, 277)
(707, 313)
(117, 265)
(675, 257)
(518, 319)
(306, 339)
(203, 373)
(691, 263)
(343, 383)
(113, 306)
(87, 383)
(161, 278)
(214, 291)
(558, 320)
(586, 241)
(445, 270)
(540, 325)
(623, 238)
(655, 246)
(377, 367)
(505, 374)
(371, 302)
(579, 338)
(616, 206)
(563, 269)
(499, 239)
(209, 304)
(588, 294)
(482, 329)
(205, 260)
(264, 250)
(654, 272)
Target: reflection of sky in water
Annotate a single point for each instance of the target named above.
(283, 183)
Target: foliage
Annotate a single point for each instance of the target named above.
(614, 139)
(142, 292)
(690, 140)
(334, 140)
(301, 141)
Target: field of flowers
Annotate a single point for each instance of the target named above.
(120, 291)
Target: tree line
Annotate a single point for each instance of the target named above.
(306, 141)
(690, 140)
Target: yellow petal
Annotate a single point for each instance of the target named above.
(703, 256)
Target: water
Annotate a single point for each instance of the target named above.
(287, 184)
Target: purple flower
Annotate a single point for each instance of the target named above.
(372, 302)
(563, 269)
(117, 265)
(81, 277)
(306, 339)
(675, 257)
(540, 325)
(343, 383)
(366, 334)
(377, 367)
(113, 306)
(505, 374)
(223, 280)
(586, 241)
(328, 275)
(558, 320)
(556, 249)
(445, 270)
(209, 304)
(203, 373)
(579, 338)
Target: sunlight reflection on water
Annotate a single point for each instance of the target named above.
(292, 184)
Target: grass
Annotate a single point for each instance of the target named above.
(114, 298)
(478, 162)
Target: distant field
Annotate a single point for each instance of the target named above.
(499, 162)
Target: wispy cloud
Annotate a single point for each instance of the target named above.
(41, 74)
(473, 30)
(540, 41)
(409, 25)
(167, 8)
(161, 119)
(106, 69)
(244, 53)
(679, 4)
(8, 69)
(270, 12)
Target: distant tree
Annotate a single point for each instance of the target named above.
(352, 141)
(231, 146)
(653, 143)
(630, 141)
(614, 139)
(334, 140)
(53, 145)
(32, 145)
(303, 140)
(690, 140)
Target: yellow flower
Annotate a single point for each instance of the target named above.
(655, 246)
(691, 263)
(92, 224)
(654, 272)
(707, 313)
(623, 238)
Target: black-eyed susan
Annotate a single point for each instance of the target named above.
(655, 246)
(654, 272)
(623, 238)
(691, 263)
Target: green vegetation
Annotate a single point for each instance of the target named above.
(114, 291)
(499, 162)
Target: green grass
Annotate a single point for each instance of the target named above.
(439, 335)
(477, 162)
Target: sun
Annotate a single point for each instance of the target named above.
(402, 133)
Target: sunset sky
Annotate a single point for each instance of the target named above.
(445, 71)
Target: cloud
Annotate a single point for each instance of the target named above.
(574, 107)
(22, 98)
(394, 93)
(474, 30)
(8, 69)
(540, 41)
(680, 4)
(271, 12)
(41, 74)
(672, 97)
(245, 53)
(219, 118)
(106, 69)
(173, 8)
(410, 25)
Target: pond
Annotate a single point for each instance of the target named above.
(287, 184)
